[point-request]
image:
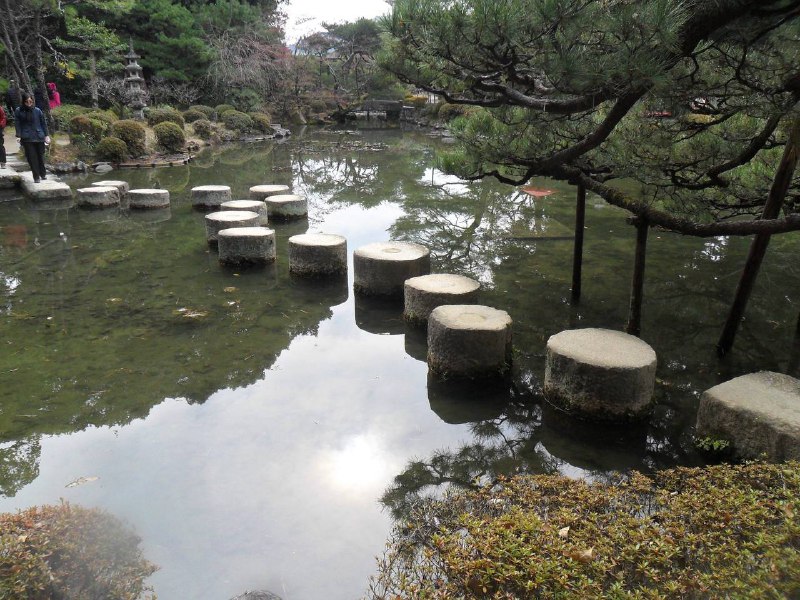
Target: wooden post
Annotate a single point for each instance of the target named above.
(634, 326)
(758, 248)
(577, 254)
(793, 368)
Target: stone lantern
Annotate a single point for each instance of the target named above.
(134, 84)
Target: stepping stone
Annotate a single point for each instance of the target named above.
(317, 254)
(97, 197)
(9, 178)
(146, 199)
(424, 293)
(469, 341)
(381, 269)
(758, 414)
(49, 189)
(227, 219)
(262, 192)
(286, 206)
(246, 245)
(257, 206)
(600, 373)
(122, 186)
(210, 196)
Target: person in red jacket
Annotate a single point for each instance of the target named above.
(3, 123)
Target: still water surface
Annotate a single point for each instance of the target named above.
(259, 432)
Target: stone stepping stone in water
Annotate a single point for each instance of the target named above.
(469, 341)
(210, 196)
(48, 189)
(227, 219)
(756, 414)
(381, 269)
(600, 373)
(424, 293)
(122, 186)
(257, 206)
(284, 207)
(317, 254)
(262, 192)
(97, 197)
(9, 178)
(148, 199)
(246, 245)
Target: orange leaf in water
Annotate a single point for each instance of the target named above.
(536, 192)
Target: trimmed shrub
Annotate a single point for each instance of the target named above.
(261, 122)
(447, 111)
(112, 149)
(132, 133)
(204, 129)
(105, 116)
(219, 109)
(170, 136)
(62, 114)
(70, 552)
(88, 130)
(237, 121)
(206, 110)
(416, 101)
(191, 115)
(714, 532)
(164, 115)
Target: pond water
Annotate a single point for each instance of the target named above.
(260, 432)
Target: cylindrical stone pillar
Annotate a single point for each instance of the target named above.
(210, 196)
(246, 245)
(227, 219)
(469, 340)
(257, 206)
(424, 293)
(122, 186)
(148, 199)
(382, 268)
(262, 192)
(317, 254)
(97, 197)
(600, 373)
(284, 207)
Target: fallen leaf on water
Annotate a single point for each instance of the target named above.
(229, 290)
(114, 300)
(536, 192)
(81, 481)
(563, 533)
(190, 313)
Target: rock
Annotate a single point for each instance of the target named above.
(758, 414)
(103, 168)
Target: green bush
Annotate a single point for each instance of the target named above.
(219, 109)
(192, 115)
(62, 114)
(261, 122)
(133, 134)
(164, 115)
(105, 116)
(112, 149)
(206, 110)
(416, 101)
(69, 552)
(714, 532)
(204, 129)
(88, 130)
(447, 112)
(237, 121)
(170, 136)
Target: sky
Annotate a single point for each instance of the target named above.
(307, 16)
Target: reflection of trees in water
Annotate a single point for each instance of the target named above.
(19, 463)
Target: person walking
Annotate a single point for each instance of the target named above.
(53, 95)
(3, 123)
(32, 134)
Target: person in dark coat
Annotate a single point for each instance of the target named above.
(32, 135)
(3, 124)
(13, 100)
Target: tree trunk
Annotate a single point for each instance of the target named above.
(634, 326)
(38, 66)
(93, 80)
(758, 248)
(794, 357)
(577, 253)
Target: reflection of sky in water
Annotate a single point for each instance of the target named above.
(271, 486)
